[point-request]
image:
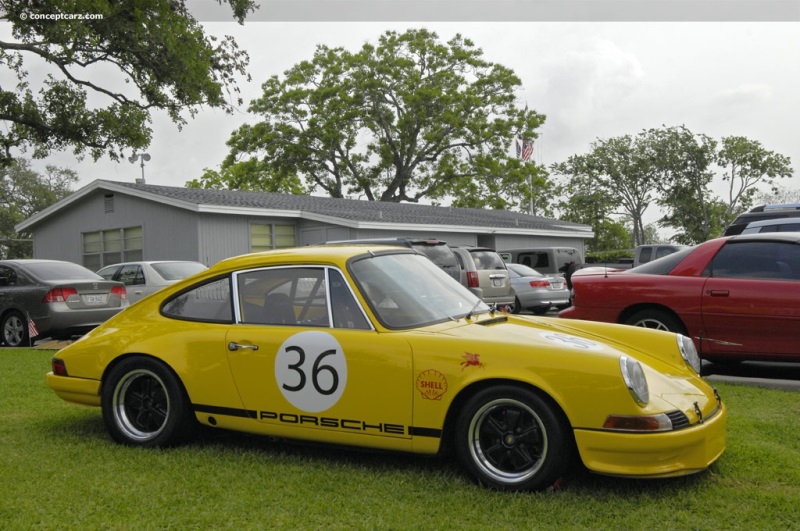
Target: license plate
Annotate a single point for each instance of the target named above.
(497, 282)
(557, 285)
(94, 299)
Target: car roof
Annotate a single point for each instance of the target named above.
(770, 222)
(792, 237)
(326, 253)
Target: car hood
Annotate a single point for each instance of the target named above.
(582, 338)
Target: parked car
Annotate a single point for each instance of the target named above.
(773, 225)
(761, 213)
(436, 250)
(377, 347)
(144, 278)
(545, 260)
(536, 292)
(485, 274)
(51, 298)
(737, 296)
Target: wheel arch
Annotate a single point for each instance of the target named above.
(448, 431)
(636, 308)
(119, 359)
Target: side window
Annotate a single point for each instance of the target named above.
(131, 275)
(661, 252)
(645, 253)
(207, 302)
(767, 260)
(285, 296)
(790, 227)
(542, 260)
(7, 276)
(346, 311)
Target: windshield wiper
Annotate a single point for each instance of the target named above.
(473, 310)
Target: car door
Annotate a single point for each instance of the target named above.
(305, 357)
(133, 276)
(750, 302)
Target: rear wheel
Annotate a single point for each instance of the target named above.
(508, 438)
(15, 329)
(656, 320)
(144, 404)
(516, 307)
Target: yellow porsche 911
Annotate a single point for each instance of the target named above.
(379, 348)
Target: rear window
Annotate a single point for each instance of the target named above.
(178, 270)
(60, 271)
(662, 266)
(487, 260)
(439, 254)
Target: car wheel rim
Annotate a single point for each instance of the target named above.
(507, 440)
(13, 331)
(653, 324)
(141, 405)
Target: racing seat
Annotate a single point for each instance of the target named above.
(278, 310)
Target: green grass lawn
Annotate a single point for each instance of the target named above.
(59, 469)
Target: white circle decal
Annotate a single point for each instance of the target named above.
(572, 341)
(311, 371)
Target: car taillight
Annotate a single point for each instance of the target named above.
(121, 291)
(59, 295)
(539, 283)
(59, 367)
(472, 279)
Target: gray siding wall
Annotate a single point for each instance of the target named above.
(524, 242)
(169, 233)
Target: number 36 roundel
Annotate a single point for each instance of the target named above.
(311, 371)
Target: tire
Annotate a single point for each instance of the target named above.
(15, 330)
(144, 404)
(656, 320)
(510, 439)
(516, 307)
(541, 310)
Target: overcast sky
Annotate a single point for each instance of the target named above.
(592, 79)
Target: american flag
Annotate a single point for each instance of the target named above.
(32, 330)
(527, 149)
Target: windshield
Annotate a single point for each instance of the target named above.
(408, 290)
(61, 271)
(664, 265)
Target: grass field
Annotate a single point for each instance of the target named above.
(60, 470)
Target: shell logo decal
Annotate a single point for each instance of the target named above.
(431, 384)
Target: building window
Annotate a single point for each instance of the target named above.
(106, 247)
(265, 237)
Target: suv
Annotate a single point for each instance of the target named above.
(485, 274)
(545, 260)
(773, 225)
(760, 213)
(436, 250)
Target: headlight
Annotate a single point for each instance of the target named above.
(633, 375)
(689, 353)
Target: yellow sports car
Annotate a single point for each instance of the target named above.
(377, 347)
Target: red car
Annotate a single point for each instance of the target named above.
(737, 297)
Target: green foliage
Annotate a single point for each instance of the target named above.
(61, 470)
(407, 118)
(617, 173)
(746, 165)
(23, 193)
(156, 47)
(610, 257)
(673, 168)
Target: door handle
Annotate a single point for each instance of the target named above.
(237, 346)
(718, 292)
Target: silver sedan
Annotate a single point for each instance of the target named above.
(144, 278)
(536, 292)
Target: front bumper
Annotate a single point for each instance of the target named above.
(652, 455)
(76, 390)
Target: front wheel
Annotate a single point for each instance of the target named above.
(15, 329)
(144, 404)
(656, 320)
(510, 439)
